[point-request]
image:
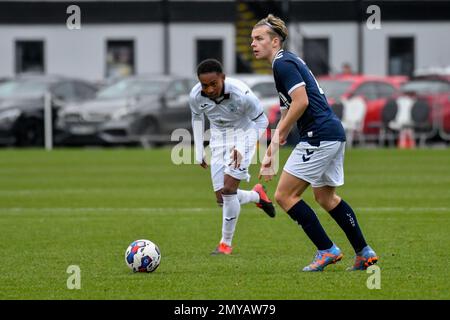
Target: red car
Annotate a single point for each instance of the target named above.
(434, 91)
(374, 90)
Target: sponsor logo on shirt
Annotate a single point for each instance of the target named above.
(204, 106)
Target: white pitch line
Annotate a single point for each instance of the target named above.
(202, 209)
(103, 209)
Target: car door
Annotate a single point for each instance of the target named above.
(374, 104)
(384, 91)
(175, 110)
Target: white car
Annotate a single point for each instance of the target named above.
(263, 86)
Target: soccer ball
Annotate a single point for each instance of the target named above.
(142, 256)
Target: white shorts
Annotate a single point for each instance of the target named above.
(320, 166)
(220, 160)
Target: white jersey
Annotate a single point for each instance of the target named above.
(238, 112)
(238, 109)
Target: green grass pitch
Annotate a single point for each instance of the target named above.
(83, 207)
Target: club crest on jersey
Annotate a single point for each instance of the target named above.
(232, 108)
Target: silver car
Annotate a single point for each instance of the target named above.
(264, 88)
(141, 109)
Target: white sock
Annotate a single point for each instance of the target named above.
(231, 209)
(247, 196)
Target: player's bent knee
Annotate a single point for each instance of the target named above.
(227, 190)
(327, 202)
(278, 197)
(282, 199)
(320, 199)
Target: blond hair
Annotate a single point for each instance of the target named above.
(277, 27)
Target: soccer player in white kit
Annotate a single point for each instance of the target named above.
(237, 122)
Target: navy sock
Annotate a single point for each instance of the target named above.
(346, 219)
(305, 216)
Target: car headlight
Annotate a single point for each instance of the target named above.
(9, 115)
(119, 114)
(123, 114)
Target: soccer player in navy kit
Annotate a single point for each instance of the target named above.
(318, 158)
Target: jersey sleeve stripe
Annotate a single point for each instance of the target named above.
(258, 116)
(301, 84)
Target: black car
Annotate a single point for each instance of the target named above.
(22, 105)
(141, 109)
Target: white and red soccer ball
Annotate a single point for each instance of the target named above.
(142, 256)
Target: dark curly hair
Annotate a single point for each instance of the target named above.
(208, 66)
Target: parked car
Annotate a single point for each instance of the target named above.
(4, 79)
(433, 90)
(373, 90)
(22, 105)
(138, 109)
(264, 88)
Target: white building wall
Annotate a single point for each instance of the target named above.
(432, 44)
(183, 38)
(342, 41)
(82, 53)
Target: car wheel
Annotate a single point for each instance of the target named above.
(31, 133)
(149, 128)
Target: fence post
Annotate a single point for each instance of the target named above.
(48, 123)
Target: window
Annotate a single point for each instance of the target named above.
(64, 91)
(177, 88)
(191, 83)
(316, 55)
(30, 56)
(265, 90)
(385, 90)
(84, 91)
(426, 87)
(367, 90)
(401, 56)
(335, 89)
(209, 49)
(119, 58)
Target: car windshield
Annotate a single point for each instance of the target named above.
(426, 87)
(23, 88)
(335, 88)
(265, 90)
(132, 87)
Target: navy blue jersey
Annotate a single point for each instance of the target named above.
(318, 122)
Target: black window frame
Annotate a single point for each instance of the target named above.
(18, 64)
(202, 54)
(325, 65)
(390, 48)
(108, 41)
